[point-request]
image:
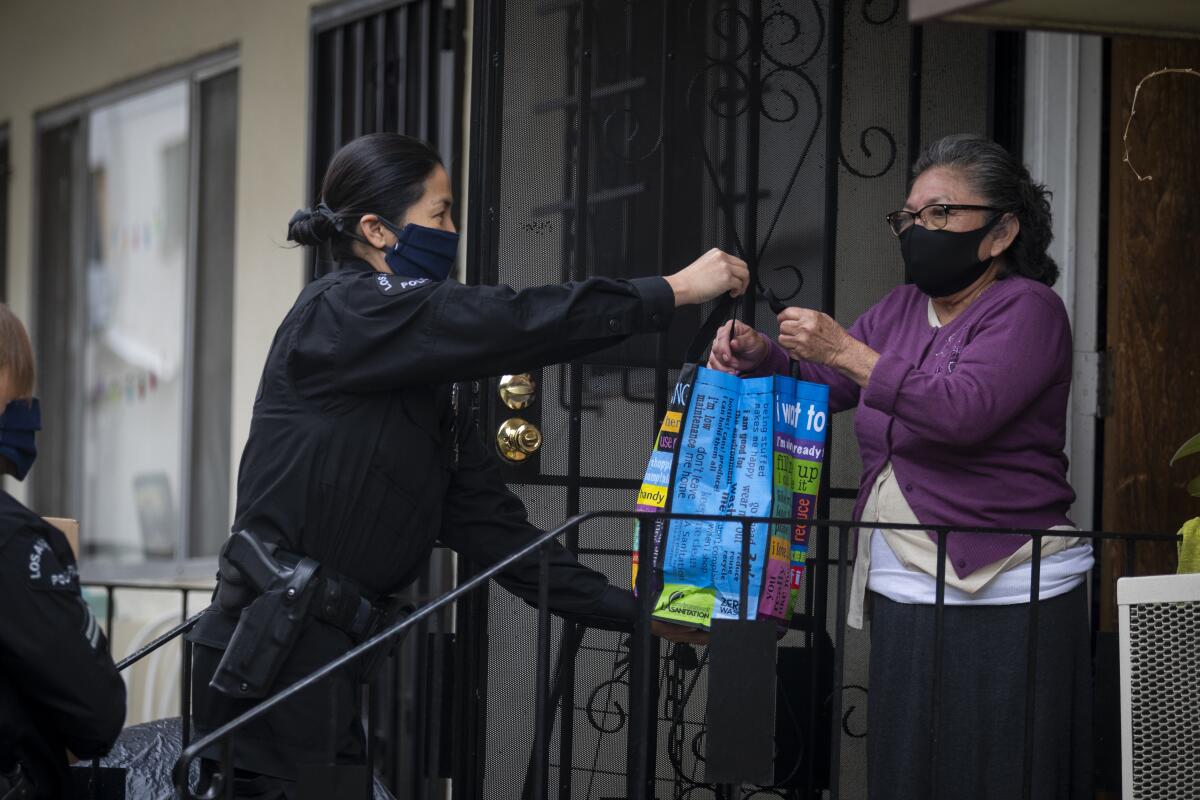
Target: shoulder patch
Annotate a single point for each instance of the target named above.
(47, 572)
(91, 628)
(396, 284)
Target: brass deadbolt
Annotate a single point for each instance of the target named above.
(517, 439)
(517, 391)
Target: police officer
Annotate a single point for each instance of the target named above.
(361, 456)
(60, 695)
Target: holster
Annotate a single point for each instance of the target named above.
(270, 624)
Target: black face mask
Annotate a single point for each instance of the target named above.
(942, 263)
(19, 423)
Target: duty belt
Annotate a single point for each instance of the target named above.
(274, 592)
(338, 600)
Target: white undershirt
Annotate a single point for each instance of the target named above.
(1060, 573)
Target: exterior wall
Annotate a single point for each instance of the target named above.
(54, 51)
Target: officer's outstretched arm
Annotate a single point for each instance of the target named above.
(51, 646)
(357, 337)
(484, 522)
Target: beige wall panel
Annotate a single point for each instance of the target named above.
(55, 51)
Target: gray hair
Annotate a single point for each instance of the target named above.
(1003, 182)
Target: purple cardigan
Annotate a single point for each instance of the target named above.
(972, 415)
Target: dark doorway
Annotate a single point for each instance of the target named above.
(1153, 340)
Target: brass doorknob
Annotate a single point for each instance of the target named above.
(517, 391)
(517, 439)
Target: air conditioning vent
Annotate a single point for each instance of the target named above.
(1160, 686)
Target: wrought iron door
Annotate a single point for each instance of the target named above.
(623, 138)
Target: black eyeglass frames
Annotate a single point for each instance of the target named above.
(934, 216)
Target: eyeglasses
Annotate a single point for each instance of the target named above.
(933, 216)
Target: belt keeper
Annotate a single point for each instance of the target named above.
(333, 594)
(362, 617)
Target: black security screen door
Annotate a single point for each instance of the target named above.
(624, 139)
(621, 138)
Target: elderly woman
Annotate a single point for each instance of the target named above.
(960, 382)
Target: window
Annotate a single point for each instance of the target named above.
(134, 311)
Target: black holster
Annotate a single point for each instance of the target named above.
(269, 624)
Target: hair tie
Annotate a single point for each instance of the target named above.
(326, 212)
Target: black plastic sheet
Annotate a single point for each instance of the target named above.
(148, 753)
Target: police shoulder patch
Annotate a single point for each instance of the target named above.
(46, 570)
(396, 284)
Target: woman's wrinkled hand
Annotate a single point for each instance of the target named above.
(743, 351)
(812, 335)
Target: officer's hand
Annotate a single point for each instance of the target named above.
(678, 633)
(741, 351)
(711, 275)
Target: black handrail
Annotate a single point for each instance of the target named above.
(190, 753)
(159, 641)
(183, 627)
(642, 669)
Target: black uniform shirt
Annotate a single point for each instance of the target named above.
(59, 689)
(350, 458)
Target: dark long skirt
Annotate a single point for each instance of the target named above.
(982, 732)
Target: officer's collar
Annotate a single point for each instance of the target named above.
(356, 264)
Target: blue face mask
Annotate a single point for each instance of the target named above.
(422, 252)
(21, 420)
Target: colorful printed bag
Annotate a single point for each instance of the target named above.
(733, 447)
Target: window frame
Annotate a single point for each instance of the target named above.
(184, 565)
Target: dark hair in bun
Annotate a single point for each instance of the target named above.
(311, 227)
(380, 173)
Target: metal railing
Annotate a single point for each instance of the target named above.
(642, 673)
(185, 660)
(644, 654)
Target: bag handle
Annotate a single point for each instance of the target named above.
(725, 309)
(708, 329)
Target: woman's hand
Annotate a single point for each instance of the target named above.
(743, 351)
(816, 337)
(811, 335)
(711, 275)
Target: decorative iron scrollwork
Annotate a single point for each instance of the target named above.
(893, 7)
(785, 42)
(621, 144)
(850, 709)
(864, 145)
